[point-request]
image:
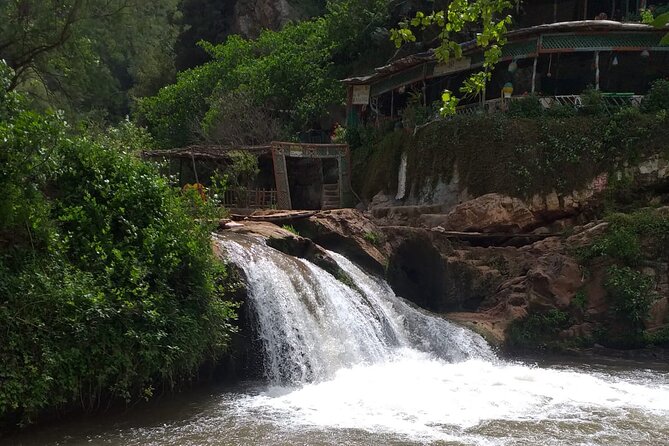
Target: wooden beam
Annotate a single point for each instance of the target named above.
(597, 71)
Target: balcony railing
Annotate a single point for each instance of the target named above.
(250, 198)
(611, 102)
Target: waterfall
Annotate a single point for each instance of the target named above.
(402, 177)
(311, 324)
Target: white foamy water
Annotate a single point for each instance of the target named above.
(421, 399)
(311, 324)
(359, 366)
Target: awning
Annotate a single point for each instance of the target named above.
(602, 42)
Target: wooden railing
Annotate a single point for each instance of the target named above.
(250, 198)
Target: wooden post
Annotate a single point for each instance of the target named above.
(613, 9)
(555, 10)
(181, 165)
(585, 10)
(392, 104)
(596, 70)
(534, 75)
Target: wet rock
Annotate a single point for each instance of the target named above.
(348, 232)
(658, 315)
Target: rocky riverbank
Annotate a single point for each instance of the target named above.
(520, 292)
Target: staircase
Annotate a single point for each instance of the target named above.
(330, 198)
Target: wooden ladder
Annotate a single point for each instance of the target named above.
(330, 198)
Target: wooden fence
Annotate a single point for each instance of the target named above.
(250, 198)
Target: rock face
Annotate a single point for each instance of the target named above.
(487, 288)
(453, 208)
(487, 213)
(251, 17)
(350, 233)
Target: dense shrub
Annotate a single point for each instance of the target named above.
(516, 156)
(631, 293)
(528, 107)
(108, 285)
(629, 235)
(657, 98)
(538, 330)
(592, 102)
(292, 74)
(627, 243)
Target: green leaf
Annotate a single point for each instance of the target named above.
(661, 20)
(665, 40)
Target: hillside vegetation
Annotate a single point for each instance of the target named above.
(108, 286)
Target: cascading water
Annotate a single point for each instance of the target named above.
(312, 325)
(357, 365)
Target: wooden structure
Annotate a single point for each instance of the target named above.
(334, 195)
(283, 150)
(251, 199)
(553, 60)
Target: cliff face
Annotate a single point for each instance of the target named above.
(250, 17)
(214, 20)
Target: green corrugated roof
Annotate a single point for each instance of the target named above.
(595, 41)
(514, 49)
(397, 80)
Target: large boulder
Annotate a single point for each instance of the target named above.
(487, 213)
(350, 233)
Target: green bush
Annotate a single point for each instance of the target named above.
(373, 237)
(629, 235)
(592, 102)
(538, 331)
(376, 161)
(291, 228)
(528, 107)
(658, 338)
(108, 285)
(657, 98)
(632, 293)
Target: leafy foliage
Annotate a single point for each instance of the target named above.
(291, 74)
(657, 98)
(450, 22)
(629, 239)
(510, 153)
(108, 286)
(89, 55)
(291, 229)
(538, 330)
(284, 72)
(376, 158)
(624, 239)
(632, 293)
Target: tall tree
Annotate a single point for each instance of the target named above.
(84, 55)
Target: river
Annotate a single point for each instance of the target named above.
(356, 365)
